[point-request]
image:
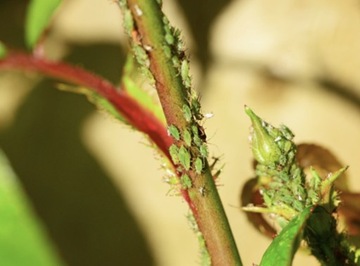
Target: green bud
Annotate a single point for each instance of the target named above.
(264, 147)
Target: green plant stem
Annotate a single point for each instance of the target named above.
(168, 82)
(203, 197)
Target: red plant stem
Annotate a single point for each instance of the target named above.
(135, 114)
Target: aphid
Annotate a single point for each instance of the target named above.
(167, 51)
(203, 150)
(187, 137)
(286, 132)
(128, 21)
(177, 34)
(166, 20)
(180, 48)
(175, 61)
(169, 38)
(184, 157)
(196, 107)
(197, 140)
(184, 71)
(174, 153)
(198, 165)
(185, 181)
(187, 112)
(141, 56)
(171, 180)
(174, 132)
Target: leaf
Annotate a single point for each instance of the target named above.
(39, 13)
(22, 240)
(137, 93)
(283, 248)
(3, 50)
(323, 161)
(96, 99)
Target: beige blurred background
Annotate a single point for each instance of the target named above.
(294, 62)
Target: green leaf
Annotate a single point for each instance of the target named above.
(22, 239)
(137, 93)
(3, 50)
(96, 99)
(39, 13)
(283, 248)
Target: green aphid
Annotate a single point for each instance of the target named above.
(177, 34)
(128, 21)
(184, 157)
(173, 180)
(198, 165)
(169, 38)
(187, 112)
(166, 20)
(187, 82)
(187, 137)
(174, 153)
(196, 138)
(167, 51)
(203, 150)
(184, 71)
(180, 46)
(287, 133)
(185, 181)
(141, 56)
(175, 61)
(194, 130)
(174, 132)
(196, 107)
(287, 145)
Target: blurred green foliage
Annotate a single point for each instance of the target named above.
(22, 238)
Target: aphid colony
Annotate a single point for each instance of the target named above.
(184, 155)
(191, 151)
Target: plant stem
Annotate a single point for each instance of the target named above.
(149, 32)
(137, 116)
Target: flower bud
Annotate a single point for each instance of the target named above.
(264, 147)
